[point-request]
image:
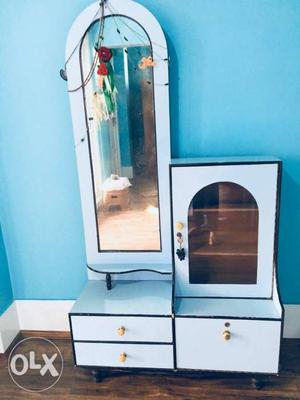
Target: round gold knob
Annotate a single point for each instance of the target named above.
(179, 226)
(122, 357)
(226, 335)
(121, 331)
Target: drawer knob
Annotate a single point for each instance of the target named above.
(121, 331)
(226, 335)
(122, 357)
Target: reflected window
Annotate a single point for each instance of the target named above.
(223, 235)
(119, 102)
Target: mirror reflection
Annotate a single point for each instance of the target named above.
(116, 59)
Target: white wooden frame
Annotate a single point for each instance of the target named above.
(161, 97)
(261, 181)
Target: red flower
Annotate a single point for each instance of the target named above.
(102, 69)
(104, 54)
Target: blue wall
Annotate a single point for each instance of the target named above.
(235, 90)
(6, 294)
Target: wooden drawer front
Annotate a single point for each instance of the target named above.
(253, 345)
(137, 329)
(137, 355)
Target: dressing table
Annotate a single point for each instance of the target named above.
(181, 254)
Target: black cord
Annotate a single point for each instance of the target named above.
(98, 45)
(128, 271)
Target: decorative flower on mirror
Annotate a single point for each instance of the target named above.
(146, 62)
(104, 54)
(104, 100)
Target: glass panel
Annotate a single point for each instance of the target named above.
(119, 103)
(223, 235)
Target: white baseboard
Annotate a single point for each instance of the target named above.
(44, 315)
(9, 327)
(292, 321)
(52, 315)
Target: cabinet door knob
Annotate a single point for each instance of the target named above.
(121, 331)
(179, 226)
(122, 357)
(226, 335)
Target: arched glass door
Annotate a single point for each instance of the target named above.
(223, 235)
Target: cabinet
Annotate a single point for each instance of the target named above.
(227, 311)
(221, 310)
(228, 212)
(181, 256)
(130, 326)
(253, 346)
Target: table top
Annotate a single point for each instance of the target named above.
(126, 298)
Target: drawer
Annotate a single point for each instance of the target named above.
(137, 355)
(253, 345)
(136, 329)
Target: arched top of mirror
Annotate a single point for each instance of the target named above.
(142, 21)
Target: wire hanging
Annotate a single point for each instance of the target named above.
(100, 38)
(114, 11)
(123, 37)
(98, 44)
(63, 72)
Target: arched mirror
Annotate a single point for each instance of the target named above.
(121, 124)
(223, 235)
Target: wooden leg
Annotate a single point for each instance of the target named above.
(97, 375)
(257, 383)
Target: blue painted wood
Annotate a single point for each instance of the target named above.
(126, 297)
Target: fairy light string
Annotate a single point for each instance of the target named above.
(100, 38)
(142, 41)
(141, 37)
(115, 15)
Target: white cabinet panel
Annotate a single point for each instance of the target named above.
(137, 329)
(137, 355)
(230, 308)
(260, 180)
(253, 345)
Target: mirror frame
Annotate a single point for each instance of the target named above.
(141, 15)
